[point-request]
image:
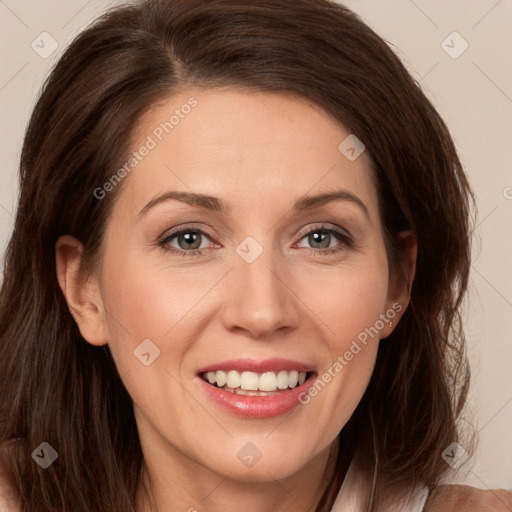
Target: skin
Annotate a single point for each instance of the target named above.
(258, 153)
(463, 497)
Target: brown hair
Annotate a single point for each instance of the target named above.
(57, 388)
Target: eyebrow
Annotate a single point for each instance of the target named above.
(216, 205)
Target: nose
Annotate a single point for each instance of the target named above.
(260, 297)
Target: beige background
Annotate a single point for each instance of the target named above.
(473, 92)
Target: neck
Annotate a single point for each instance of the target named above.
(188, 487)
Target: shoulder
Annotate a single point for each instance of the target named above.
(461, 498)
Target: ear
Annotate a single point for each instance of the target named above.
(82, 293)
(399, 291)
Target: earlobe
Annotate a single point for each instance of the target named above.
(400, 293)
(81, 292)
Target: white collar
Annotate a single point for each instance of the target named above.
(354, 491)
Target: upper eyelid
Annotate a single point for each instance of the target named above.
(324, 226)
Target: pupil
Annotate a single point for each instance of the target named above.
(318, 235)
(190, 238)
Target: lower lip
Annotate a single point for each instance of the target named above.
(257, 407)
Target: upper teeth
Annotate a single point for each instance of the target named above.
(252, 381)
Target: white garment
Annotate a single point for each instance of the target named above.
(354, 493)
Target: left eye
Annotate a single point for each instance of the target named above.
(323, 237)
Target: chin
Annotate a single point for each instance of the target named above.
(261, 470)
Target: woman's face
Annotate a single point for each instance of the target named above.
(256, 289)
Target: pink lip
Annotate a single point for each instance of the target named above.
(257, 407)
(252, 365)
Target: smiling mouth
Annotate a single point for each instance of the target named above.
(256, 384)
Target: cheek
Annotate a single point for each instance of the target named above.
(152, 301)
(147, 309)
(348, 299)
(349, 304)
(147, 300)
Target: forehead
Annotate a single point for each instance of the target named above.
(264, 148)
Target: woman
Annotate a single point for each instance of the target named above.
(171, 337)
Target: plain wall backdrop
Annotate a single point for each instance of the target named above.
(460, 51)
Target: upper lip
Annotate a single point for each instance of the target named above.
(258, 366)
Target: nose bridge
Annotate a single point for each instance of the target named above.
(260, 301)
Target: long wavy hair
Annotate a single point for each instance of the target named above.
(55, 387)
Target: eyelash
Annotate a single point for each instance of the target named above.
(344, 237)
